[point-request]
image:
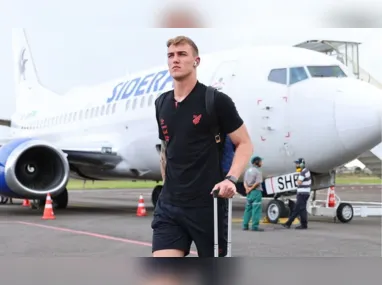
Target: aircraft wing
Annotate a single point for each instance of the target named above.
(57, 158)
(89, 153)
(94, 151)
(104, 157)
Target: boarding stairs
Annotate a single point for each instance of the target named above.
(348, 54)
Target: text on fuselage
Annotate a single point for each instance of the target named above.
(153, 82)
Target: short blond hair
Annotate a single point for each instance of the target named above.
(183, 40)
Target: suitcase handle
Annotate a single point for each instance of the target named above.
(229, 238)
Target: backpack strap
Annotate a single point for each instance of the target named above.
(215, 128)
(210, 106)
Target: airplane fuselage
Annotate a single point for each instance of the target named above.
(288, 113)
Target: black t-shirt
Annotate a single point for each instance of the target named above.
(193, 167)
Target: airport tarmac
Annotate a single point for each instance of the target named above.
(103, 223)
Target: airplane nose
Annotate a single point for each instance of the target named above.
(358, 115)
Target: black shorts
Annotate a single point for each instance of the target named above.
(177, 227)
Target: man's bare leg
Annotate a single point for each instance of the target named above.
(168, 253)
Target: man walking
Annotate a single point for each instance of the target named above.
(190, 159)
(252, 183)
(304, 183)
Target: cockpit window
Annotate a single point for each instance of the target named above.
(297, 74)
(326, 71)
(278, 76)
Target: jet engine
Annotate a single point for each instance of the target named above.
(31, 168)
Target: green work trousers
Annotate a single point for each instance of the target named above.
(253, 209)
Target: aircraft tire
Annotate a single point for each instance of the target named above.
(275, 210)
(155, 194)
(345, 212)
(61, 201)
(3, 200)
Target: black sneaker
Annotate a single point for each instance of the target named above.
(286, 226)
(302, 228)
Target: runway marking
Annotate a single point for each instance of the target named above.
(128, 241)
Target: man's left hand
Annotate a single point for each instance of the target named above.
(227, 189)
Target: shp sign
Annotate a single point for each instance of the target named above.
(283, 183)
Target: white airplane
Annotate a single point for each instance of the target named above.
(295, 103)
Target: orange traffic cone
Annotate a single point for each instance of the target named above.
(141, 210)
(331, 197)
(26, 203)
(48, 210)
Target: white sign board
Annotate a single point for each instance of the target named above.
(283, 183)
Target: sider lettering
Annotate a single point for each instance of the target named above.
(150, 83)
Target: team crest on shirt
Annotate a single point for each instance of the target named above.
(196, 119)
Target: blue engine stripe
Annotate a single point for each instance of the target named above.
(5, 151)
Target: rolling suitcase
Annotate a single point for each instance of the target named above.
(216, 233)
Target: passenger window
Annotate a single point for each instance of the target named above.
(297, 74)
(278, 76)
(102, 110)
(127, 104)
(150, 100)
(143, 101)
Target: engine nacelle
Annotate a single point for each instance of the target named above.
(31, 168)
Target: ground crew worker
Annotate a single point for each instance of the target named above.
(190, 159)
(304, 183)
(253, 179)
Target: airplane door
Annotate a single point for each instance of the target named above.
(274, 131)
(224, 76)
